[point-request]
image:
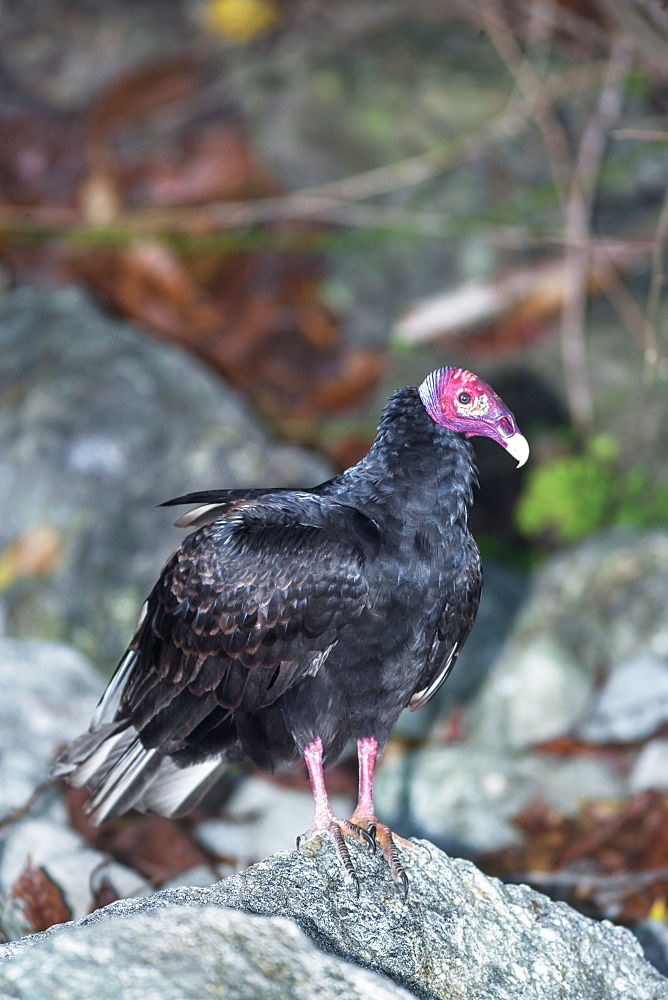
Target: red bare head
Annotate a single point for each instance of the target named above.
(461, 401)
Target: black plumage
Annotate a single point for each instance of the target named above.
(291, 623)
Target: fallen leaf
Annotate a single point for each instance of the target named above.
(511, 309)
(41, 899)
(35, 552)
(240, 20)
(137, 224)
(157, 847)
(611, 858)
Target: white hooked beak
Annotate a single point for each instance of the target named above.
(518, 446)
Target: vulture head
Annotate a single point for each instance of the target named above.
(459, 400)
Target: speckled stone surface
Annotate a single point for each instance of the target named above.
(187, 954)
(459, 933)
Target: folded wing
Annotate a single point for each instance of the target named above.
(249, 604)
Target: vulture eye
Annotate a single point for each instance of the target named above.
(464, 397)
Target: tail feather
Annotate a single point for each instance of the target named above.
(123, 774)
(175, 790)
(110, 701)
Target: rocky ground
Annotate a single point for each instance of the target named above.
(458, 933)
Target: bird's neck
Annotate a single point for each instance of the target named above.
(414, 456)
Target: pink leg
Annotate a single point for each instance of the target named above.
(362, 825)
(313, 760)
(365, 817)
(367, 748)
(324, 820)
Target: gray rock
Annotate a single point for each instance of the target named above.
(535, 692)
(653, 936)
(183, 953)
(464, 797)
(459, 933)
(650, 769)
(47, 841)
(590, 610)
(49, 690)
(98, 424)
(632, 704)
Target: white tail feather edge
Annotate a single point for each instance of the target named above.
(110, 700)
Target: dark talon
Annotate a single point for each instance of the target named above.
(299, 840)
(404, 881)
(369, 838)
(359, 833)
(344, 855)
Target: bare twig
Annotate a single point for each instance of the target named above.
(533, 89)
(16, 814)
(657, 281)
(431, 163)
(630, 312)
(605, 889)
(535, 291)
(328, 202)
(578, 235)
(640, 133)
(576, 185)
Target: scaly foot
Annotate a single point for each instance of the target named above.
(388, 841)
(362, 825)
(336, 829)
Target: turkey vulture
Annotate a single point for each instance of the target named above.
(292, 623)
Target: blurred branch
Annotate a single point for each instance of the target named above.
(651, 135)
(657, 281)
(535, 292)
(533, 89)
(578, 235)
(16, 814)
(605, 889)
(576, 186)
(632, 315)
(330, 202)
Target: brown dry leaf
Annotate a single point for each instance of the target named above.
(562, 746)
(255, 316)
(103, 894)
(42, 900)
(156, 847)
(187, 164)
(355, 376)
(214, 165)
(35, 552)
(139, 92)
(625, 840)
(149, 283)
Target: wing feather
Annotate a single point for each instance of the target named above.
(456, 619)
(250, 603)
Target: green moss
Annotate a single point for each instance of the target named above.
(572, 496)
